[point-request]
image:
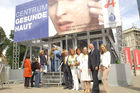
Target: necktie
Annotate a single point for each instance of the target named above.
(91, 52)
(65, 60)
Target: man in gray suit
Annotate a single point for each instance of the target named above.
(67, 71)
(93, 66)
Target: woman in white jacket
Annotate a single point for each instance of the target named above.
(79, 57)
(72, 62)
(85, 75)
(105, 66)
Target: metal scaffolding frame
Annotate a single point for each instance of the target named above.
(16, 56)
(105, 34)
(121, 43)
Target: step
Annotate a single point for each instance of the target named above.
(50, 81)
(53, 73)
(51, 84)
(53, 77)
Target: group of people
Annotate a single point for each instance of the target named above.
(31, 71)
(77, 66)
(34, 69)
(84, 66)
(55, 56)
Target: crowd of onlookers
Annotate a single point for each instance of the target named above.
(79, 67)
(40, 66)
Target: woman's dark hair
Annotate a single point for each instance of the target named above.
(28, 56)
(78, 49)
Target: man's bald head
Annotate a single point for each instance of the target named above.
(91, 46)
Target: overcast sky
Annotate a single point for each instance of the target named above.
(128, 9)
(7, 14)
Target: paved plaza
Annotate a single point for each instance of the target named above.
(18, 88)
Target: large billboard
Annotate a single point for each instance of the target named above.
(66, 17)
(31, 20)
(70, 16)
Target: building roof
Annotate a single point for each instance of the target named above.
(132, 29)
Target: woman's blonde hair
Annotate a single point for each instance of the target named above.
(87, 50)
(102, 52)
(36, 59)
(52, 54)
(42, 51)
(56, 48)
(72, 50)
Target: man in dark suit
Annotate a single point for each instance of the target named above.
(67, 71)
(93, 66)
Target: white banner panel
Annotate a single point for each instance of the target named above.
(111, 13)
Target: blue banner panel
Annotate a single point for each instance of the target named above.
(31, 21)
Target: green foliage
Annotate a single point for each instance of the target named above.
(12, 34)
(2, 33)
(4, 44)
(4, 41)
(117, 62)
(9, 52)
(22, 52)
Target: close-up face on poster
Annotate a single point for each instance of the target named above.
(71, 16)
(46, 18)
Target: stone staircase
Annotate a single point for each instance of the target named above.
(52, 79)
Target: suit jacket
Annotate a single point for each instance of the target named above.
(94, 59)
(42, 59)
(65, 67)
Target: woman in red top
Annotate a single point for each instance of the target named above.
(27, 70)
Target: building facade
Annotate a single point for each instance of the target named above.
(132, 38)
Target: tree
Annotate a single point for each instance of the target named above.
(4, 41)
(9, 52)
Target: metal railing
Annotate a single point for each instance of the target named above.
(59, 69)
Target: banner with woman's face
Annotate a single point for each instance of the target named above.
(39, 18)
(70, 16)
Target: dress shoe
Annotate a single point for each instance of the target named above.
(70, 87)
(65, 87)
